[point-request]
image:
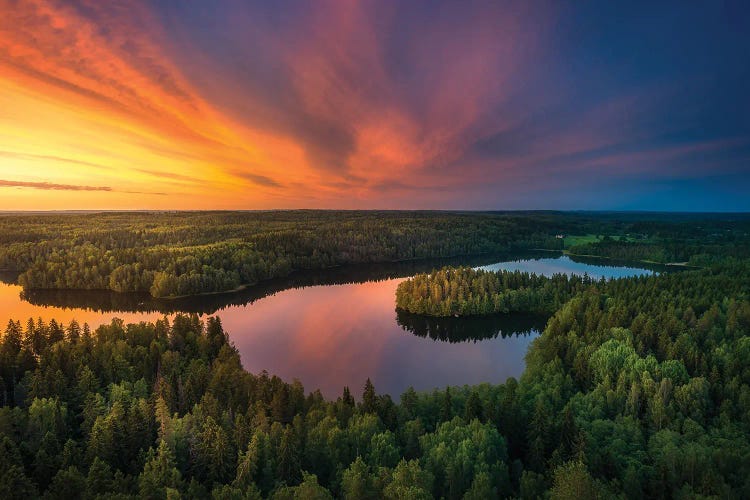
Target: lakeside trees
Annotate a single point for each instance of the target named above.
(698, 244)
(463, 291)
(157, 409)
(185, 253)
(640, 391)
(174, 254)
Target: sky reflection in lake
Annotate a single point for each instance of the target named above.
(329, 336)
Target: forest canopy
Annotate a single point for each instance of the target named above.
(642, 391)
(169, 254)
(176, 254)
(637, 387)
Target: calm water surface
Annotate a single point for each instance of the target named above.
(338, 327)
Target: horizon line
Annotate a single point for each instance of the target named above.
(457, 210)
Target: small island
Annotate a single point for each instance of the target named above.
(464, 291)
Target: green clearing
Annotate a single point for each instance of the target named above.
(571, 240)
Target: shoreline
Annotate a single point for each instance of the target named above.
(637, 261)
(643, 261)
(246, 286)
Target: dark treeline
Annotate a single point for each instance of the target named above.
(176, 254)
(626, 250)
(463, 291)
(187, 253)
(700, 251)
(642, 391)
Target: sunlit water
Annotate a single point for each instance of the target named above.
(332, 335)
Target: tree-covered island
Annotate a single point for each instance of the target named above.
(463, 291)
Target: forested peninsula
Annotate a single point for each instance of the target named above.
(463, 291)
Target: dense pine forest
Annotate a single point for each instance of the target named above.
(171, 254)
(637, 387)
(176, 254)
(640, 391)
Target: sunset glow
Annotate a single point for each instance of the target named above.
(484, 105)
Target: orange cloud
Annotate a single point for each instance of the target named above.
(337, 104)
(114, 101)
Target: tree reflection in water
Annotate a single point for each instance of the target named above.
(106, 301)
(470, 328)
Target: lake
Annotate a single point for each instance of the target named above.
(337, 327)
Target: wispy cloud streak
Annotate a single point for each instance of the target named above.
(52, 186)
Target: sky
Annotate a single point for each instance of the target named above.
(235, 104)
